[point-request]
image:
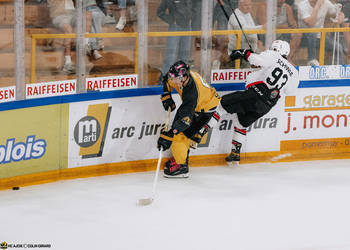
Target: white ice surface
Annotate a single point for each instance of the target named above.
(284, 206)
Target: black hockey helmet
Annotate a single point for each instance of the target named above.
(179, 69)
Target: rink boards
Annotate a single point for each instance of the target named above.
(110, 132)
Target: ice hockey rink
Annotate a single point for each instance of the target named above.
(284, 206)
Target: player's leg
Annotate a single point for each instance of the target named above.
(201, 124)
(253, 111)
(234, 102)
(177, 167)
(246, 108)
(238, 139)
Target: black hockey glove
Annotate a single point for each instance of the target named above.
(165, 79)
(197, 137)
(240, 54)
(168, 101)
(165, 139)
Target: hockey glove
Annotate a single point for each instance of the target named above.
(240, 54)
(168, 101)
(199, 135)
(165, 78)
(165, 139)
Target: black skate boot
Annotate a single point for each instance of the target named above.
(233, 158)
(169, 163)
(174, 170)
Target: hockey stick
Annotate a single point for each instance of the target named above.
(148, 201)
(239, 23)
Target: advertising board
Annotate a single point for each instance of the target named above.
(33, 140)
(127, 129)
(325, 72)
(46, 89)
(68, 87)
(229, 75)
(318, 119)
(7, 94)
(112, 82)
(312, 124)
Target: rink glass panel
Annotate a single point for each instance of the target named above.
(119, 52)
(7, 55)
(121, 55)
(45, 59)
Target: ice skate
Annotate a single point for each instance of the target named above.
(233, 158)
(174, 170)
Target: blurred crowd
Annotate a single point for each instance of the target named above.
(99, 13)
(252, 15)
(186, 15)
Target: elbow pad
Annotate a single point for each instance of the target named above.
(181, 125)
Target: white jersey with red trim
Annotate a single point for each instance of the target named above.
(275, 71)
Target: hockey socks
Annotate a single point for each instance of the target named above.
(239, 135)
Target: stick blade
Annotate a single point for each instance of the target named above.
(145, 202)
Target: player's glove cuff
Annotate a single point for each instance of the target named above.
(168, 101)
(199, 135)
(165, 140)
(240, 54)
(165, 78)
(181, 125)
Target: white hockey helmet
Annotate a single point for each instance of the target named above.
(281, 47)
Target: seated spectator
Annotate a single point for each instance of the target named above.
(196, 22)
(220, 20)
(178, 15)
(109, 18)
(219, 23)
(122, 6)
(346, 23)
(247, 22)
(122, 19)
(98, 12)
(312, 14)
(63, 16)
(35, 1)
(285, 20)
(294, 7)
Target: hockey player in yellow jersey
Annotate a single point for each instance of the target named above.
(193, 118)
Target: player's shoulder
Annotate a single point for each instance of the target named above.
(286, 65)
(195, 75)
(283, 59)
(270, 53)
(270, 56)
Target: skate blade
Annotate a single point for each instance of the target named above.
(144, 202)
(176, 176)
(232, 163)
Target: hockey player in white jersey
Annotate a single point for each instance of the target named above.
(263, 87)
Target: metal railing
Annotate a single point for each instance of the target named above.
(322, 31)
(89, 35)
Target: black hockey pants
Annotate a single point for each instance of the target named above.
(250, 104)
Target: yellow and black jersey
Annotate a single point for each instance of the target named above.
(197, 96)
